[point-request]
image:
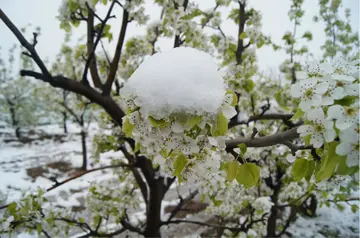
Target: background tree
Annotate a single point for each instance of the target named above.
(17, 93)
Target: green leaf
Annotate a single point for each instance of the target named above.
(96, 219)
(179, 164)
(221, 125)
(137, 147)
(243, 35)
(193, 121)
(243, 148)
(79, 51)
(65, 26)
(328, 162)
(301, 168)
(232, 167)
(235, 98)
(158, 123)
(127, 128)
(216, 202)
(299, 113)
(196, 12)
(343, 169)
(307, 139)
(12, 208)
(354, 208)
(248, 174)
(307, 35)
(249, 85)
(340, 207)
(346, 101)
(260, 43)
(39, 228)
(310, 170)
(75, 23)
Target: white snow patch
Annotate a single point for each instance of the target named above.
(179, 80)
(329, 222)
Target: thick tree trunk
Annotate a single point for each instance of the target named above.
(157, 191)
(18, 132)
(84, 150)
(157, 188)
(271, 226)
(64, 122)
(14, 122)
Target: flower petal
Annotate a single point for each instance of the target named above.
(329, 135)
(343, 148)
(316, 140)
(334, 112)
(321, 88)
(305, 130)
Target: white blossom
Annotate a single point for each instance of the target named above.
(310, 92)
(345, 116)
(320, 130)
(349, 145)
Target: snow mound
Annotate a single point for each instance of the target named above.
(180, 80)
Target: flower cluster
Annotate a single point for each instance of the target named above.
(181, 138)
(181, 21)
(136, 49)
(329, 92)
(182, 126)
(253, 26)
(136, 11)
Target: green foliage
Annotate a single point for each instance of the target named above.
(220, 127)
(308, 35)
(302, 168)
(242, 148)
(346, 101)
(235, 98)
(192, 121)
(232, 168)
(158, 123)
(179, 164)
(65, 26)
(248, 174)
(127, 128)
(249, 85)
(328, 162)
(243, 35)
(340, 38)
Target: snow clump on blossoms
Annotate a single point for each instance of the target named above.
(178, 110)
(329, 98)
(180, 80)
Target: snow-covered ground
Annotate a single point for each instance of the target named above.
(19, 161)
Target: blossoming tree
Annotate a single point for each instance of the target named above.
(257, 150)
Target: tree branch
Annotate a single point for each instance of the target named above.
(91, 46)
(233, 229)
(265, 141)
(110, 106)
(91, 60)
(241, 28)
(25, 44)
(181, 203)
(270, 116)
(114, 64)
(177, 40)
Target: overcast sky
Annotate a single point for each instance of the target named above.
(275, 22)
